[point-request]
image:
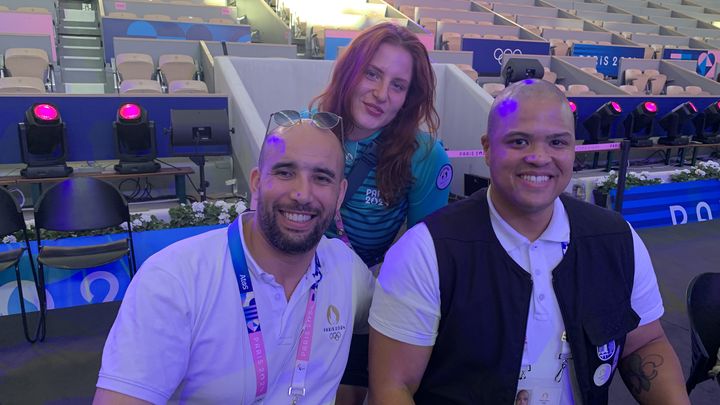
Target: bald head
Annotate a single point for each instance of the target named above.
(526, 93)
(276, 142)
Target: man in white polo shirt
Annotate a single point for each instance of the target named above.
(519, 294)
(260, 312)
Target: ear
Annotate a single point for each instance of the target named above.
(341, 196)
(485, 140)
(254, 187)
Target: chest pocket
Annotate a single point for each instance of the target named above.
(613, 324)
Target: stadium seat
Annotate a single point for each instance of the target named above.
(675, 91)
(429, 23)
(134, 66)
(577, 89)
(534, 29)
(549, 75)
(509, 37)
(629, 88)
(657, 81)
(37, 10)
(636, 78)
(592, 71)
(191, 19)
(491, 36)
(561, 87)
(471, 35)
(4, 8)
(187, 86)
(558, 47)
(121, 14)
(468, 70)
(451, 41)
(158, 17)
(226, 21)
(140, 86)
(408, 10)
(21, 85)
(27, 62)
(493, 88)
(693, 90)
(177, 67)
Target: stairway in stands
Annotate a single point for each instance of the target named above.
(80, 49)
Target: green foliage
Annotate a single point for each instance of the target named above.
(184, 215)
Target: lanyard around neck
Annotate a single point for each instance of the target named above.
(252, 320)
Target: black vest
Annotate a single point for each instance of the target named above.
(485, 297)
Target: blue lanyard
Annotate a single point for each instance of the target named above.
(252, 319)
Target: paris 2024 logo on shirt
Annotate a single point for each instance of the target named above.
(334, 329)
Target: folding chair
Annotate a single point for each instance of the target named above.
(703, 303)
(82, 204)
(11, 221)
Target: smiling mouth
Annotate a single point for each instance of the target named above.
(535, 179)
(375, 110)
(297, 217)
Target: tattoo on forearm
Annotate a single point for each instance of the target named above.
(638, 372)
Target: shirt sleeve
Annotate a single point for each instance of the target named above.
(147, 351)
(645, 299)
(433, 174)
(406, 303)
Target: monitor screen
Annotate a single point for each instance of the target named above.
(200, 132)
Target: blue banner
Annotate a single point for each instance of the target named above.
(608, 56)
(488, 53)
(671, 203)
(67, 288)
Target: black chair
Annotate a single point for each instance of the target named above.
(703, 302)
(82, 204)
(11, 221)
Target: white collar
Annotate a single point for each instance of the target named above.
(558, 230)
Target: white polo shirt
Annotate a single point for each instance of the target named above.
(180, 335)
(406, 304)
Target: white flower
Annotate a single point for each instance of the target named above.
(199, 215)
(611, 172)
(240, 207)
(198, 207)
(136, 223)
(599, 182)
(145, 218)
(223, 218)
(685, 171)
(700, 172)
(124, 226)
(9, 239)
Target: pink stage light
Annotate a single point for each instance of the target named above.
(616, 107)
(45, 112)
(650, 107)
(573, 107)
(692, 106)
(129, 112)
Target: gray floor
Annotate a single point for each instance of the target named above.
(63, 369)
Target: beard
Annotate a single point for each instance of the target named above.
(288, 243)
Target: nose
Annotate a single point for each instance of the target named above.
(301, 190)
(537, 155)
(381, 90)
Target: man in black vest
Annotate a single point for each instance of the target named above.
(519, 292)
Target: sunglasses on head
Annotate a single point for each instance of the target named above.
(322, 120)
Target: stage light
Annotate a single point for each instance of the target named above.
(707, 124)
(673, 123)
(134, 140)
(573, 108)
(42, 142)
(600, 122)
(639, 124)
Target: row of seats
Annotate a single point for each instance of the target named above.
(26, 70)
(37, 10)
(136, 73)
(560, 47)
(452, 41)
(163, 17)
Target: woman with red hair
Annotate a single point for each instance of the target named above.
(383, 87)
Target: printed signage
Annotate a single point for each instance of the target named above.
(671, 203)
(488, 53)
(608, 56)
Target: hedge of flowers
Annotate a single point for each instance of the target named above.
(184, 215)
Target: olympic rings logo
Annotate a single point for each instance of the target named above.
(335, 336)
(499, 52)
